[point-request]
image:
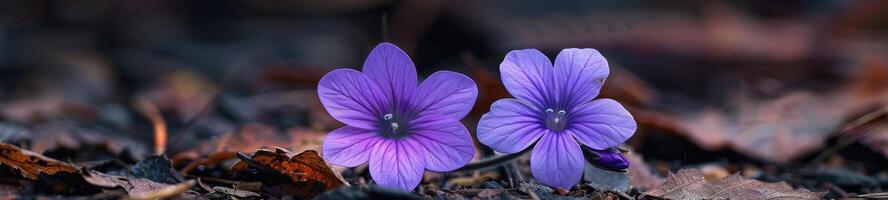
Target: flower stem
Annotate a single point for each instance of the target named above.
(491, 162)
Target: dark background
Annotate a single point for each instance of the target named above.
(765, 82)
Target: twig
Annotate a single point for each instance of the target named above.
(880, 195)
(160, 129)
(215, 180)
(845, 141)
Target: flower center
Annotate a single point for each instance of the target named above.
(391, 127)
(555, 120)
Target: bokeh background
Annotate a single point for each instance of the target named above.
(747, 84)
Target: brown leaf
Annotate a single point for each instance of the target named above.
(640, 174)
(306, 170)
(66, 136)
(257, 136)
(782, 129)
(690, 184)
(247, 139)
(137, 188)
(30, 164)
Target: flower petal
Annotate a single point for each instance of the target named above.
(397, 164)
(528, 75)
(446, 93)
(579, 73)
(352, 98)
(447, 143)
(601, 124)
(557, 161)
(349, 146)
(511, 126)
(393, 71)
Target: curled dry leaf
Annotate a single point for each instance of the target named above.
(137, 188)
(29, 164)
(690, 184)
(247, 139)
(306, 170)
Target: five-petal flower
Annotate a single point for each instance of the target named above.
(555, 109)
(399, 127)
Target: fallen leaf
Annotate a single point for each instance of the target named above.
(155, 168)
(306, 170)
(690, 184)
(640, 174)
(236, 192)
(137, 188)
(248, 138)
(61, 138)
(785, 128)
(257, 136)
(29, 164)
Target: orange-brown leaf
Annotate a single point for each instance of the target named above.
(307, 170)
(29, 164)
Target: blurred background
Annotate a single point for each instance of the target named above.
(754, 86)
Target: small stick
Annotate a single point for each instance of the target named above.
(160, 129)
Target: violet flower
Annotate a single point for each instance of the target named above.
(611, 159)
(400, 127)
(554, 105)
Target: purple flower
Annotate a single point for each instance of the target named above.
(609, 159)
(400, 127)
(554, 105)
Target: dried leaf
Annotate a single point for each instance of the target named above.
(155, 168)
(640, 174)
(690, 184)
(254, 136)
(306, 170)
(68, 136)
(236, 192)
(137, 188)
(29, 164)
(782, 129)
